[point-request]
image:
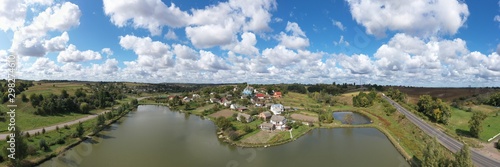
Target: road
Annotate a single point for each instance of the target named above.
(53, 127)
(447, 141)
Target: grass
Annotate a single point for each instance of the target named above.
(491, 127)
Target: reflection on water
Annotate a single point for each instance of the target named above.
(152, 137)
(357, 119)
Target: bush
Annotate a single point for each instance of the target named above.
(247, 129)
(232, 135)
(31, 150)
(66, 127)
(43, 131)
(43, 145)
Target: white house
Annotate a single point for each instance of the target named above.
(277, 109)
(278, 121)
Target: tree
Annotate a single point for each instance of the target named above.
(79, 130)
(135, 102)
(498, 144)
(475, 123)
(432, 154)
(64, 94)
(100, 120)
(85, 108)
(35, 101)
(223, 123)
(24, 98)
(462, 157)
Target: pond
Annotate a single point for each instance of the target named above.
(156, 136)
(357, 119)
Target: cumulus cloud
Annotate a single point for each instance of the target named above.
(150, 54)
(420, 18)
(297, 39)
(149, 14)
(208, 36)
(246, 46)
(57, 43)
(185, 52)
(107, 51)
(72, 54)
(30, 40)
(357, 64)
(211, 62)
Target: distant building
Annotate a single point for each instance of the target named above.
(266, 126)
(247, 117)
(265, 115)
(248, 91)
(277, 109)
(277, 95)
(278, 121)
(260, 96)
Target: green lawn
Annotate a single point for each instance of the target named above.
(491, 127)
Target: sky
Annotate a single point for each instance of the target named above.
(434, 43)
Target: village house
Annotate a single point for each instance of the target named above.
(214, 100)
(266, 126)
(234, 106)
(195, 96)
(265, 115)
(241, 109)
(277, 95)
(186, 99)
(277, 109)
(278, 121)
(247, 117)
(260, 96)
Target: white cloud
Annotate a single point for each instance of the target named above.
(12, 14)
(43, 67)
(107, 51)
(30, 40)
(420, 18)
(152, 55)
(341, 41)
(72, 54)
(357, 64)
(208, 36)
(297, 40)
(246, 46)
(57, 43)
(211, 62)
(185, 52)
(148, 14)
(338, 24)
(171, 35)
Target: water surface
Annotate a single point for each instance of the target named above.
(155, 136)
(358, 119)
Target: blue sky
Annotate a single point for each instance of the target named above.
(417, 43)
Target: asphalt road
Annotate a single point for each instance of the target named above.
(447, 141)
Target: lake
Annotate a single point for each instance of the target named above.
(156, 136)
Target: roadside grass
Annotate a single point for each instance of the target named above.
(51, 138)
